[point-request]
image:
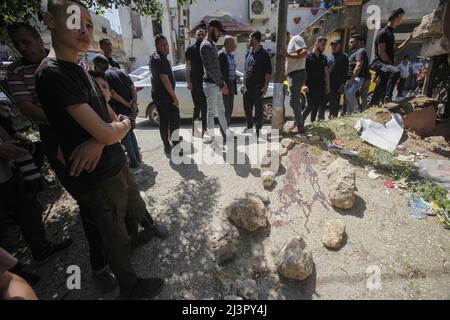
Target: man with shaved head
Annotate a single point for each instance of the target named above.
(228, 67)
(77, 112)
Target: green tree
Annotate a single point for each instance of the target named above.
(32, 10)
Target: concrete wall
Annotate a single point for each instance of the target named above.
(414, 9)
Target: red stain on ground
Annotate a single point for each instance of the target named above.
(299, 172)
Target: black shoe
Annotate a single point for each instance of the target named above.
(159, 230)
(167, 150)
(145, 289)
(32, 278)
(105, 280)
(144, 237)
(52, 251)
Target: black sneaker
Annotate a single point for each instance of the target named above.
(32, 278)
(167, 150)
(144, 237)
(145, 289)
(105, 280)
(159, 230)
(52, 251)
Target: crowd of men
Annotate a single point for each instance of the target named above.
(84, 117)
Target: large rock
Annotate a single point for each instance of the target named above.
(224, 242)
(431, 25)
(288, 143)
(268, 179)
(437, 143)
(248, 289)
(295, 260)
(248, 213)
(342, 184)
(333, 233)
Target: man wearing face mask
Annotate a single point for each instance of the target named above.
(194, 76)
(214, 84)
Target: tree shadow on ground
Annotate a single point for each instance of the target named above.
(184, 259)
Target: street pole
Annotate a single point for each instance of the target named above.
(278, 94)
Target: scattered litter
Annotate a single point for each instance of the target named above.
(373, 174)
(386, 138)
(444, 217)
(390, 184)
(349, 153)
(402, 183)
(438, 171)
(401, 148)
(340, 145)
(419, 208)
(403, 158)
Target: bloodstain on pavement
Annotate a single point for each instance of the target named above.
(299, 172)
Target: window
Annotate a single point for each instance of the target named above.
(157, 28)
(136, 25)
(180, 76)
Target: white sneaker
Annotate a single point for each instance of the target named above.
(218, 146)
(230, 133)
(137, 171)
(207, 139)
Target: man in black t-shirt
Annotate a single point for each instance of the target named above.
(163, 94)
(124, 101)
(194, 76)
(107, 48)
(384, 63)
(77, 112)
(317, 80)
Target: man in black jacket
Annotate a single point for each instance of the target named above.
(194, 76)
(228, 68)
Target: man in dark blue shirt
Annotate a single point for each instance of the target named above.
(258, 69)
(317, 79)
(124, 101)
(338, 64)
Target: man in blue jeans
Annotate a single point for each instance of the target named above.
(124, 101)
(295, 68)
(358, 72)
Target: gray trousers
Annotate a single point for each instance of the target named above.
(215, 105)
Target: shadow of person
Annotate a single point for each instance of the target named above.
(147, 178)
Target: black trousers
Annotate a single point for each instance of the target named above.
(388, 78)
(253, 99)
(199, 99)
(316, 102)
(27, 213)
(334, 100)
(169, 122)
(97, 256)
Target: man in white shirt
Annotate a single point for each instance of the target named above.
(404, 74)
(296, 54)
